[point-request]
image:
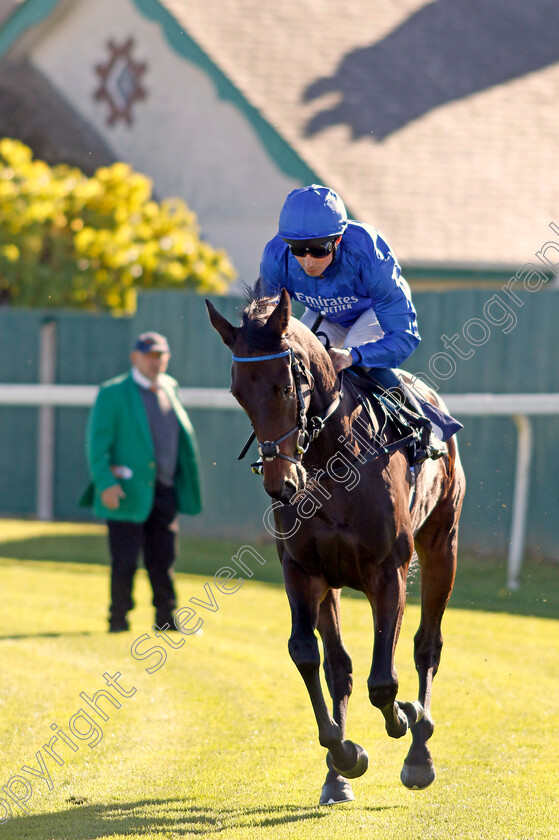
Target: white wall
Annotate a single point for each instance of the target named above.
(190, 142)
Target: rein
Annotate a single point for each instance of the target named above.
(307, 429)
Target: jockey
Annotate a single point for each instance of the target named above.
(347, 271)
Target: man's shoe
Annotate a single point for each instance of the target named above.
(165, 623)
(118, 626)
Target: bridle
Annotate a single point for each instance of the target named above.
(307, 429)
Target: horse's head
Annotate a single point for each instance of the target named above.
(270, 380)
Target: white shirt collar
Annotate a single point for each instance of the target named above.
(142, 380)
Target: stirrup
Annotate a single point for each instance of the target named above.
(436, 448)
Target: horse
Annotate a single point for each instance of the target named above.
(342, 518)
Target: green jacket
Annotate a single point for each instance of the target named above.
(118, 434)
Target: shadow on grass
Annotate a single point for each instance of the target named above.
(196, 555)
(84, 821)
(67, 548)
(480, 583)
(17, 636)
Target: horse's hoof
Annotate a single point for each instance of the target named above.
(406, 716)
(360, 766)
(418, 776)
(336, 792)
(413, 711)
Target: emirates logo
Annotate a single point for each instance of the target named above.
(120, 82)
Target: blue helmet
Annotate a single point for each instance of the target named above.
(312, 212)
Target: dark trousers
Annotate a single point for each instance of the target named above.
(156, 540)
(389, 380)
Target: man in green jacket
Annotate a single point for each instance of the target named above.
(143, 461)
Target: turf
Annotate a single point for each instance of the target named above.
(220, 740)
(480, 582)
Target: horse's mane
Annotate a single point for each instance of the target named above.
(257, 307)
(262, 339)
(254, 316)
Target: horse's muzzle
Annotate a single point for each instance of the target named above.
(285, 487)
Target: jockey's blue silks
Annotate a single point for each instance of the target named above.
(364, 274)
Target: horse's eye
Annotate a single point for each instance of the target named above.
(287, 390)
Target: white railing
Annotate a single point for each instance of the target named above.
(84, 396)
(517, 406)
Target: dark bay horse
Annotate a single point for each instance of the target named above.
(342, 518)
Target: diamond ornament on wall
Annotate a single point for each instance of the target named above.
(120, 82)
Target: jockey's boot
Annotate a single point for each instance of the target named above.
(430, 446)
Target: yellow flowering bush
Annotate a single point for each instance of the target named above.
(71, 240)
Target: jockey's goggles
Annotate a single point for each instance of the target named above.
(318, 250)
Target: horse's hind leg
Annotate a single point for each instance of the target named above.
(387, 594)
(436, 546)
(339, 679)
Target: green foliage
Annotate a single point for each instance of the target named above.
(70, 240)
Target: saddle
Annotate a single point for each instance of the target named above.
(412, 430)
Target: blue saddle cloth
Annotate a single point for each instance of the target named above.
(443, 425)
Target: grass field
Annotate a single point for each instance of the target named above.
(220, 741)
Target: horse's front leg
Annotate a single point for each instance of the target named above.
(305, 594)
(339, 679)
(387, 595)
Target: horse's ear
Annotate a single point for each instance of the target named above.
(279, 319)
(226, 330)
